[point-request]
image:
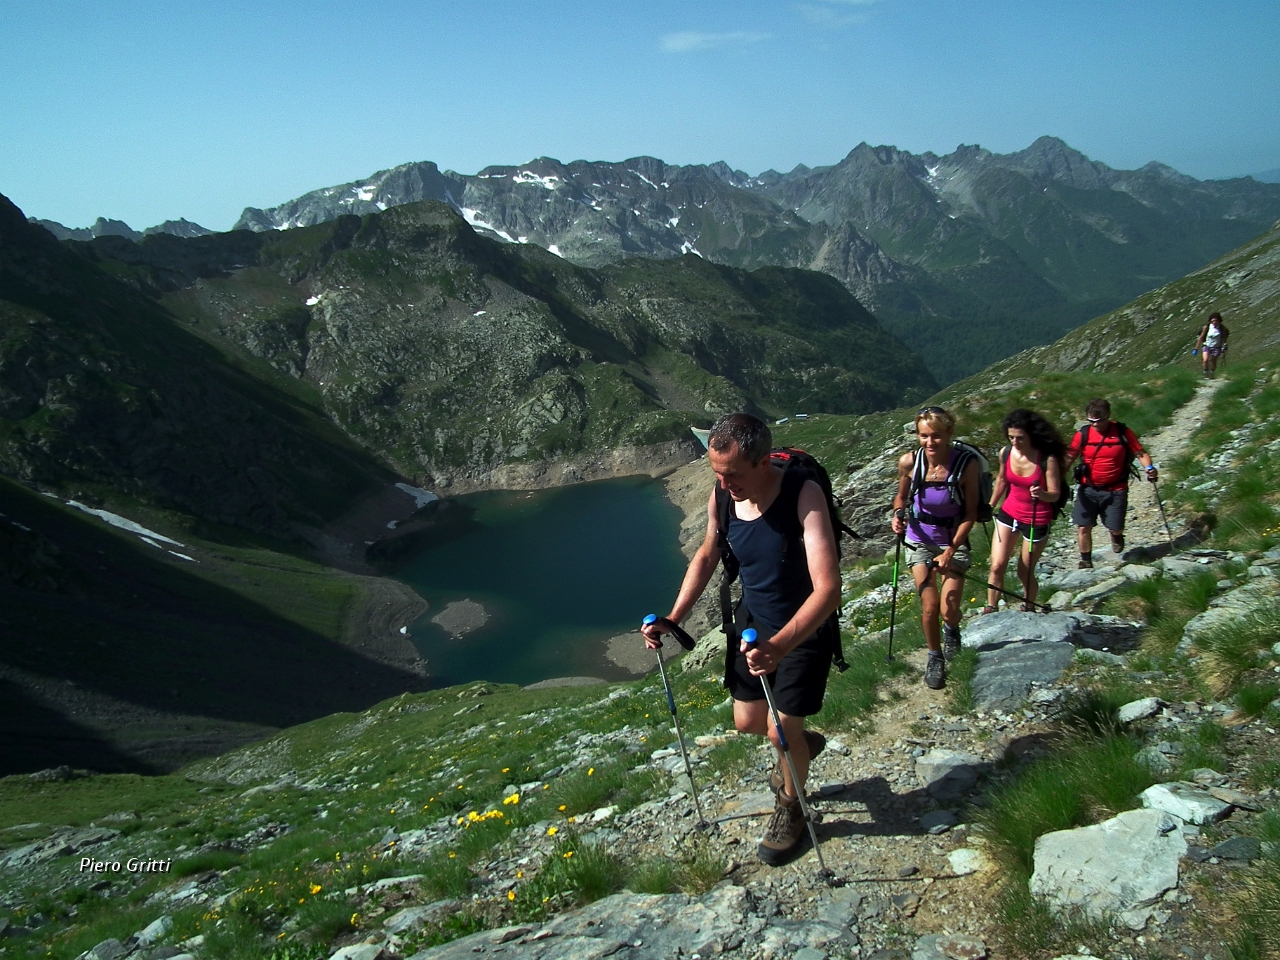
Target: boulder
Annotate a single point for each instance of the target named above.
(362, 951)
(1003, 678)
(651, 926)
(1154, 760)
(1013, 626)
(1185, 801)
(111, 949)
(948, 774)
(1099, 591)
(1121, 864)
(1138, 571)
(1237, 848)
(153, 931)
(411, 918)
(1136, 710)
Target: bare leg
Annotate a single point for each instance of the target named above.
(929, 606)
(793, 727)
(1086, 540)
(1027, 568)
(952, 588)
(1001, 547)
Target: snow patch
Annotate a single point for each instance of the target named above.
(480, 313)
(312, 301)
(420, 497)
(556, 250)
(365, 193)
(473, 218)
(688, 247)
(549, 182)
(124, 524)
(674, 220)
(644, 178)
(183, 556)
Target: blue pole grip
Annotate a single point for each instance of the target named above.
(749, 636)
(650, 619)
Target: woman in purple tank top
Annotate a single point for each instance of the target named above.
(935, 510)
(1030, 481)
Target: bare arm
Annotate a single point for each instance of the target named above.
(824, 572)
(1052, 481)
(696, 577)
(1001, 485)
(905, 464)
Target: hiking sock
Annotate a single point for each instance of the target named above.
(1086, 561)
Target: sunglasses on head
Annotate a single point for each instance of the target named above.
(923, 410)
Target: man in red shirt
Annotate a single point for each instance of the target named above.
(1105, 449)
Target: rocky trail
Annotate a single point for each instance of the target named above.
(899, 796)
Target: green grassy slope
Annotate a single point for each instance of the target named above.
(122, 656)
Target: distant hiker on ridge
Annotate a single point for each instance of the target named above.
(1106, 450)
(780, 531)
(1030, 484)
(936, 506)
(1212, 343)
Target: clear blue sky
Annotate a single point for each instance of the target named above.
(145, 111)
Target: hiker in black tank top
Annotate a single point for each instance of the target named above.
(791, 586)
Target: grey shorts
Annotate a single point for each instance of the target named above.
(918, 553)
(1092, 503)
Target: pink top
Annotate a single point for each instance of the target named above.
(1018, 504)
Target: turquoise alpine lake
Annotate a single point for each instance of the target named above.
(534, 583)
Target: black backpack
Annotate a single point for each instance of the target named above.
(793, 460)
(986, 482)
(1080, 472)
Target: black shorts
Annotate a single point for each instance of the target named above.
(1109, 504)
(1036, 533)
(799, 683)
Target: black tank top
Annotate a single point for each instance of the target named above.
(773, 567)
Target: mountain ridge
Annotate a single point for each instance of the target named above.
(966, 254)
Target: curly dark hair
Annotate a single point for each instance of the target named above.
(1044, 435)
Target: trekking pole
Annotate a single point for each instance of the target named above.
(893, 602)
(1008, 593)
(687, 642)
(749, 637)
(1167, 532)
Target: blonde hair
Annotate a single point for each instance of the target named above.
(938, 419)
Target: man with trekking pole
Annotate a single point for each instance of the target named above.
(779, 530)
(1106, 450)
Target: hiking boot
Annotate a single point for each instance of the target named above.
(1086, 563)
(785, 834)
(950, 642)
(935, 672)
(1117, 543)
(817, 743)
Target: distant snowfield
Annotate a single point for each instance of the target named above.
(420, 497)
(149, 537)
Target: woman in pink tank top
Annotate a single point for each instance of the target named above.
(1029, 483)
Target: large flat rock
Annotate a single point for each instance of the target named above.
(1119, 865)
(646, 927)
(1014, 626)
(1186, 801)
(1005, 676)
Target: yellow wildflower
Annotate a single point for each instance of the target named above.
(511, 894)
(315, 888)
(552, 831)
(568, 854)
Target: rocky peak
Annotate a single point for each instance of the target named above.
(1051, 159)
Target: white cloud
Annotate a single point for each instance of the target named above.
(688, 41)
(835, 14)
